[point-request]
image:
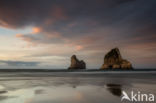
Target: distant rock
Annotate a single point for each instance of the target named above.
(76, 64)
(113, 60)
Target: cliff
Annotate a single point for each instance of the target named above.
(114, 60)
(76, 64)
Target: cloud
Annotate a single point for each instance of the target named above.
(79, 47)
(20, 63)
(96, 27)
(23, 37)
(58, 16)
(20, 14)
(36, 30)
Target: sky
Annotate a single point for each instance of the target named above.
(46, 33)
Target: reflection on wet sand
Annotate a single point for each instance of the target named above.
(3, 91)
(115, 89)
(3, 97)
(39, 91)
(69, 89)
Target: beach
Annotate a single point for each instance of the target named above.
(73, 87)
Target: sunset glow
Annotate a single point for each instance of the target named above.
(36, 30)
(47, 34)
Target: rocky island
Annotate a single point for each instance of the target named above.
(77, 64)
(114, 60)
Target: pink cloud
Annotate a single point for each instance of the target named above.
(52, 34)
(21, 36)
(36, 30)
(59, 12)
(79, 47)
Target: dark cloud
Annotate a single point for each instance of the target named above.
(20, 63)
(87, 24)
(128, 18)
(37, 12)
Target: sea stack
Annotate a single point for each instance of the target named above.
(76, 64)
(114, 60)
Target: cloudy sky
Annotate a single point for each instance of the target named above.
(46, 33)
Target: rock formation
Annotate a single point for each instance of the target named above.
(76, 64)
(113, 60)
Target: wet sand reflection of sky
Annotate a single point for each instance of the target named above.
(67, 90)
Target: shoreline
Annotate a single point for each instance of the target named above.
(79, 70)
(79, 74)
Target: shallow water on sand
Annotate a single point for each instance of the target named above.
(74, 88)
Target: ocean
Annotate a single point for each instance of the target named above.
(75, 87)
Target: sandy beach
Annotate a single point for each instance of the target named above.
(72, 87)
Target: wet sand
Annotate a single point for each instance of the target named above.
(72, 87)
